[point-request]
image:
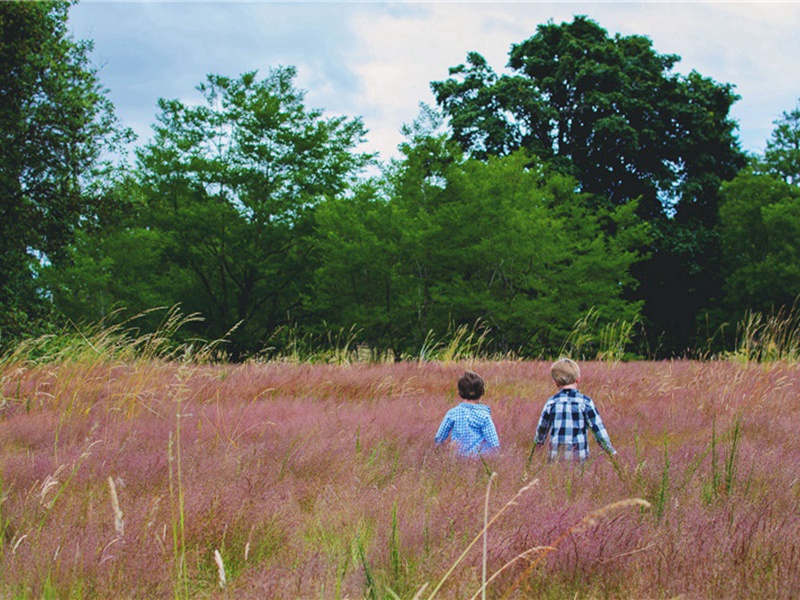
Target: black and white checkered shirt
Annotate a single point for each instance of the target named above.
(565, 418)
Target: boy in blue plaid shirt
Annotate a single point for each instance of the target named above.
(567, 414)
(470, 423)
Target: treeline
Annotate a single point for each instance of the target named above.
(591, 181)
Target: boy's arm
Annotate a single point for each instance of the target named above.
(444, 429)
(545, 421)
(599, 430)
(490, 435)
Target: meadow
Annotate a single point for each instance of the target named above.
(151, 478)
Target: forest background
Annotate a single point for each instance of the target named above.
(592, 195)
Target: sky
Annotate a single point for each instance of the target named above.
(376, 60)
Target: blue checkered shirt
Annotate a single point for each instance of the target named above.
(565, 417)
(471, 427)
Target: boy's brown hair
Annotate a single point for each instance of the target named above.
(471, 386)
(565, 371)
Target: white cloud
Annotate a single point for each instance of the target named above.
(376, 59)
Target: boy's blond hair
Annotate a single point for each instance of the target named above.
(565, 371)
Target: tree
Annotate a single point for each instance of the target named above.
(459, 241)
(358, 282)
(230, 187)
(760, 227)
(55, 122)
(760, 233)
(610, 112)
(117, 267)
(606, 110)
(782, 156)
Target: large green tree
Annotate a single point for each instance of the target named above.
(55, 122)
(229, 187)
(607, 110)
(456, 241)
(760, 227)
(611, 112)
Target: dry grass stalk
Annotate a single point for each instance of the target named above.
(486, 534)
(481, 533)
(220, 569)
(119, 524)
(49, 483)
(519, 556)
(589, 520)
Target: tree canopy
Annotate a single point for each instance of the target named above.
(611, 112)
(55, 121)
(782, 156)
(227, 190)
(760, 227)
(606, 110)
(500, 244)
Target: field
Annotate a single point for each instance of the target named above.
(156, 479)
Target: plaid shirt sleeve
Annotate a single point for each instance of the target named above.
(444, 429)
(596, 423)
(490, 437)
(545, 422)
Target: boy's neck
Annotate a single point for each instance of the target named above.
(570, 386)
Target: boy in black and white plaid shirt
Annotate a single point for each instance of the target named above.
(567, 414)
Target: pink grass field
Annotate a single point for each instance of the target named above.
(317, 481)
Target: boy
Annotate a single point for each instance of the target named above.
(470, 423)
(567, 413)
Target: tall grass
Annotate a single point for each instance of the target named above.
(124, 341)
(459, 343)
(608, 342)
(301, 480)
(768, 338)
(342, 347)
(289, 344)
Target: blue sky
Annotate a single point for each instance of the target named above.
(376, 59)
